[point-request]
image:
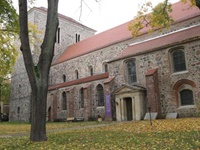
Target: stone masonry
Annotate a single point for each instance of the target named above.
(20, 88)
(157, 85)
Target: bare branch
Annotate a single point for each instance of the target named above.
(81, 9)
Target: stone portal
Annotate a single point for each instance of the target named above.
(130, 104)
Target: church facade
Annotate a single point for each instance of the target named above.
(115, 76)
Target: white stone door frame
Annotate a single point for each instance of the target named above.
(137, 99)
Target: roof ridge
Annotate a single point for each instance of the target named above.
(44, 9)
(181, 12)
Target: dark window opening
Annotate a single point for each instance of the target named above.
(77, 38)
(57, 37)
(178, 61)
(100, 95)
(81, 98)
(64, 101)
(77, 76)
(106, 67)
(64, 78)
(91, 71)
(131, 72)
(18, 110)
(186, 97)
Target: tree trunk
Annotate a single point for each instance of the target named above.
(38, 120)
(38, 74)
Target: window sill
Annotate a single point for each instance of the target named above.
(180, 72)
(100, 107)
(186, 107)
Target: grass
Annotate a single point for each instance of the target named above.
(15, 127)
(172, 134)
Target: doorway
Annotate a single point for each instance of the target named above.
(128, 109)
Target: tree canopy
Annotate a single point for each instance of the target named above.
(5, 91)
(157, 19)
(9, 27)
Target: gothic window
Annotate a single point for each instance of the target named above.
(131, 72)
(186, 97)
(81, 98)
(178, 58)
(64, 99)
(76, 74)
(100, 95)
(64, 78)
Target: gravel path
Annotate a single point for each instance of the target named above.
(20, 134)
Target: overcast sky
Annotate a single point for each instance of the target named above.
(99, 16)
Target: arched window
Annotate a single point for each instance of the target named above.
(76, 74)
(186, 97)
(178, 58)
(64, 99)
(131, 71)
(81, 98)
(184, 92)
(64, 78)
(100, 95)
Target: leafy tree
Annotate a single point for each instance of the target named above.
(157, 19)
(8, 28)
(5, 91)
(38, 74)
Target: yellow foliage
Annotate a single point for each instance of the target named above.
(35, 37)
(193, 2)
(158, 18)
(165, 125)
(8, 53)
(163, 134)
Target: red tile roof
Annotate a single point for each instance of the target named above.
(95, 42)
(120, 33)
(79, 81)
(161, 42)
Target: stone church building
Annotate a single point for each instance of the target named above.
(115, 76)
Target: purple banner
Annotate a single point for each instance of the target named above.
(108, 106)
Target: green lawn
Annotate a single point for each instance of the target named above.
(171, 134)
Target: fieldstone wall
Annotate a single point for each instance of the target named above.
(91, 109)
(20, 87)
(160, 59)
